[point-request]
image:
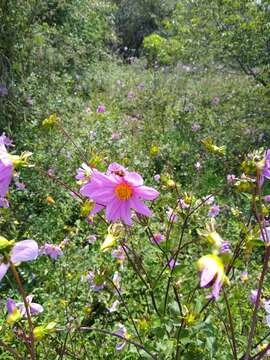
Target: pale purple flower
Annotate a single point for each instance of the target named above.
(54, 251)
(51, 171)
(100, 108)
(131, 95)
(141, 86)
(95, 281)
(4, 203)
(157, 177)
(244, 277)
(253, 296)
(20, 185)
(114, 306)
(183, 204)
(84, 172)
(266, 168)
(215, 100)
(225, 247)
(3, 90)
(267, 198)
(214, 211)
(211, 270)
(121, 331)
(10, 305)
(266, 305)
(29, 101)
(34, 308)
(172, 263)
(157, 238)
(265, 235)
(91, 239)
(195, 127)
(119, 254)
(209, 199)
(116, 136)
(4, 139)
(231, 179)
(171, 215)
(25, 250)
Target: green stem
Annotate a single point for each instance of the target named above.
(31, 328)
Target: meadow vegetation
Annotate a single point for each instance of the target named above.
(96, 96)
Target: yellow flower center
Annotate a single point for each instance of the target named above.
(123, 191)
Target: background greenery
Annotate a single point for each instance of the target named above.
(159, 67)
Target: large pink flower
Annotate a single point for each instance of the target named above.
(6, 169)
(119, 192)
(25, 250)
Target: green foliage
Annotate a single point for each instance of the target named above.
(137, 19)
(229, 32)
(162, 121)
(40, 39)
(159, 50)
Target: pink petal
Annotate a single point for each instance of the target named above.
(36, 308)
(147, 193)
(216, 288)
(6, 172)
(134, 179)
(207, 276)
(10, 305)
(88, 188)
(126, 212)
(105, 180)
(97, 208)
(140, 207)
(113, 210)
(3, 270)
(24, 251)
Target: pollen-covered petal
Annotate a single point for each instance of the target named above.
(140, 207)
(24, 251)
(147, 193)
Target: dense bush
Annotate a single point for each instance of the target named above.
(137, 19)
(44, 40)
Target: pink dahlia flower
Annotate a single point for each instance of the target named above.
(6, 169)
(119, 192)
